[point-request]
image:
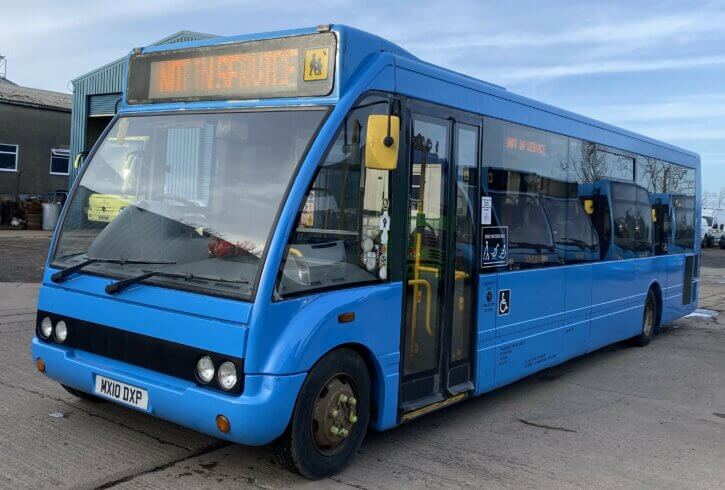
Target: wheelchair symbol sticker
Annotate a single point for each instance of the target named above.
(504, 302)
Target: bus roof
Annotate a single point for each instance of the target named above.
(356, 48)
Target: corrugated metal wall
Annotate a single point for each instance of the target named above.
(106, 80)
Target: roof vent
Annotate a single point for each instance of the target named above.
(324, 28)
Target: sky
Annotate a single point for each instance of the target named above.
(657, 68)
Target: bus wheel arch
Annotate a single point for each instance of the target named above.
(330, 417)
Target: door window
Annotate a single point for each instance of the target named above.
(466, 164)
(338, 239)
(426, 259)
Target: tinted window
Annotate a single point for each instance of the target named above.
(643, 223)
(338, 238)
(684, 221)
(515, 147)
(624, 199)
(658, 176)
(573, 232)
(614, 166)
(681, 180)
(517, 205)
(583, 164)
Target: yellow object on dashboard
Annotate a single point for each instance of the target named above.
(103, 208)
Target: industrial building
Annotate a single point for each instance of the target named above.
(97, 94)
(34, 140)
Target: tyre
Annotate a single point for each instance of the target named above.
(81, 394)
(330, 418)
(649, 321)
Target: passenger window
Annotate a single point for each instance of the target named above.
(515, 147)
(685, 222)
(615, 166)
(339, 238)
(624, 198)
(574, 235)
(517, 206)
(643, 225)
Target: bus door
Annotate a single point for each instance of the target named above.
(441, 272)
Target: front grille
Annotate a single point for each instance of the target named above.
(159, 355)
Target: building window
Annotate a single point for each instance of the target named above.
(8, 158)
(59, 161)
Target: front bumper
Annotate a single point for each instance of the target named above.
(258, 416)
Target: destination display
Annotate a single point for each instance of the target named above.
(298, 66)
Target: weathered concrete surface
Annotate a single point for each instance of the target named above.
(622, 416)
(22, 255)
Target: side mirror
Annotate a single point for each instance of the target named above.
(589, 206)
(382, 142)
(78, 161)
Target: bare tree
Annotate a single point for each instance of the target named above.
(586, 166)
(713, 200)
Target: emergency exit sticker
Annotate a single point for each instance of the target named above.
(485, 210)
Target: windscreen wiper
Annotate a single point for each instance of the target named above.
(63, 274)
(118, 286)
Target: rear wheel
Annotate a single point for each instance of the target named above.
(330, 418)
(649, 321)
(81, 394)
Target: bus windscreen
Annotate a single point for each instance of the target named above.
(298, 66)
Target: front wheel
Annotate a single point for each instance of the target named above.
(330, 418)
(649, 321)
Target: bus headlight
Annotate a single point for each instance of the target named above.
(205, 369)
(227, 376)
(46, 327)
(61, 331)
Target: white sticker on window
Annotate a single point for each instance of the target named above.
(384, 221)
(485, 210)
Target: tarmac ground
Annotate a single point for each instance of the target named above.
(619, 417)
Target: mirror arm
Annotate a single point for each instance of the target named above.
(389, 140)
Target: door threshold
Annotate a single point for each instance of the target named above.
(433, 407)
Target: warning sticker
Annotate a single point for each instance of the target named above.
(316, 61)
(485, 210)
(494, 245)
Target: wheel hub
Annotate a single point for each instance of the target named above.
(334, 415)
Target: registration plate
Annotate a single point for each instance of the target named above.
(121, 392)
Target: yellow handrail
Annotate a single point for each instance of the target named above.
(429, 291)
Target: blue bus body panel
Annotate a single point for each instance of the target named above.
(186, 318)
(298, 332)
(257, 417)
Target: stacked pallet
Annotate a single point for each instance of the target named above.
(33, 212)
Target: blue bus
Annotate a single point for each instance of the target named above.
(295, 236)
